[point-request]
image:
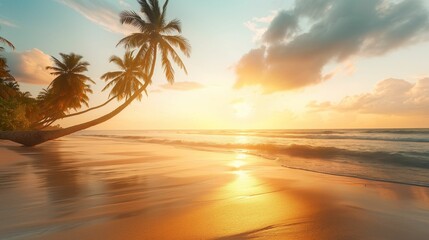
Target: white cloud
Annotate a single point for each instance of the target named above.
(30, 66)
(390, 96)
(8, 23)
(102, 12)
(258, 25)
(339, 30)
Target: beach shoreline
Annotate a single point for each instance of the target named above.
(89, 187)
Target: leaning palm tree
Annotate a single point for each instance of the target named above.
(127, 80)
(154, 34)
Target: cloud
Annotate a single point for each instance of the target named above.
(390, 96)
(284, 25)
(254, 25)
(183, 86)
(7, 23)
(336, 30)
(30, 66)
(102, 12)
(124, 3)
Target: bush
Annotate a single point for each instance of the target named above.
(13, 115)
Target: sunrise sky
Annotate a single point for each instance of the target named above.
(254, 63)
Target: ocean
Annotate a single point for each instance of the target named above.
(391, 155)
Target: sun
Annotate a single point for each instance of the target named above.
(242, 109)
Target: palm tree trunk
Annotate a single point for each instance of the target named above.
(32, 138)
(50, 121)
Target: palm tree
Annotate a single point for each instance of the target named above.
(70, 88)
(8, 86)
(4, 71)
(2, 59)
(8, 89)
(48, 112)
(154, 36)
(3, 66)
(127, 80)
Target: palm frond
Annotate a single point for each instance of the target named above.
(146, 9)
(5, 41)
(175, 56)
(155, 8)
(117, 60)
(110, 75)
(181, 42)
(166, 65)
(164, 9)
(173, 26)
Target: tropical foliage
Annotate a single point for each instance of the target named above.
(126, 81)
(6, 42)
(70, 87)
(156, 34)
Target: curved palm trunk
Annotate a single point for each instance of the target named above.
(50, 121)
(32, 138)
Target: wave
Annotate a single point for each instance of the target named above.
(351, 137)
(403, 167)
(392, 135)
(402, 159)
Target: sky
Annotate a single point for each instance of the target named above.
(255, 64)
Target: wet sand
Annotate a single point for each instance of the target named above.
(97, 188)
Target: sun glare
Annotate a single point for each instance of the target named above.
(242, 110)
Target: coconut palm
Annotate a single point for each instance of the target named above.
(124, 82)
(127, 80)
(70, 88)
(155, 35)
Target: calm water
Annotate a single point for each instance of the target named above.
(394, 155)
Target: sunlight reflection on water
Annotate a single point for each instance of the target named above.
(241, 139)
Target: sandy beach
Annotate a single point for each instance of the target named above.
(96, 188)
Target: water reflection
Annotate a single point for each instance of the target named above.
(241, 139)
(58, 178)
(249, 202)
(57, 187)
